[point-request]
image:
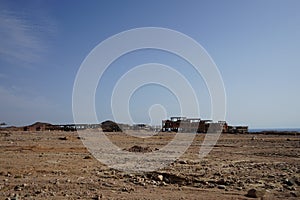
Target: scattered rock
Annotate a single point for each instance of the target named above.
(256, 193)
(163, 183)
(218, 174)
(271, 185)
(297, 180)
(97, 197)
(168, 178)
(14, 197)
(18, 176)
(295, 194)
(254, 138)
(239, 188)
(87, 157)
(107, 185)
(140, 180)
(183, 162)
(53, 194)
(141, 183)
(125, 189)
(17, 188)
(290, 188)
(271, 176)
(158, 177)
(63, 138)
(288, 182)
(221, 182)
(38, 192)
(222, 187)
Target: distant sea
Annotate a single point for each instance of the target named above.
(274, 129)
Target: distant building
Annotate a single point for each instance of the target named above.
(237, 129)
(183, 124)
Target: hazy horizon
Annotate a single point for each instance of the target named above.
(251, 129)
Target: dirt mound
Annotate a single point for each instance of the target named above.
(139, 149)
(110, 126)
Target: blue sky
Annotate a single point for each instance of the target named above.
(255, 45)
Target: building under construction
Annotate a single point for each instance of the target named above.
(183, 124)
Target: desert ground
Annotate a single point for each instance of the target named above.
(56, 165)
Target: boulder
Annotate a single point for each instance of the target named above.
(222, 187)
(256, 193)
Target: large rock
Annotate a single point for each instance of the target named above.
(289, 182)
(159, 177)
(256, 193)
(223, 187)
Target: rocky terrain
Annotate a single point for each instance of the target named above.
(56, 165)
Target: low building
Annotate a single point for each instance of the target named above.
(183, 124)
(237, 129)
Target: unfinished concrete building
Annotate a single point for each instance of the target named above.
(237, 129)
(183, 124)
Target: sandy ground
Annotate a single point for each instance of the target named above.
(56, 165)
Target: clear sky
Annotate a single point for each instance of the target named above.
(255, 44)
